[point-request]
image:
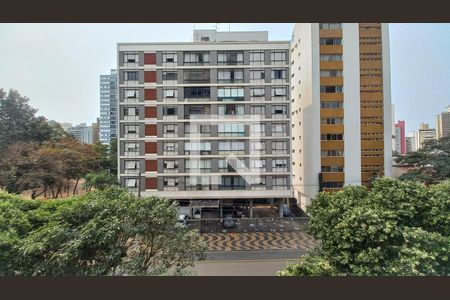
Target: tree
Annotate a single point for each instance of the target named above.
(100, 180)
(429, 164)
(396, 228)
(18, 122)
(108, 232)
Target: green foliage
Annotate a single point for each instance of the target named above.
(106, 232)
(396, 228)
(430, 164)
(100, 180)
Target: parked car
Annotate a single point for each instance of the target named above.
(239, 212)
(229, 222)
(286, 211)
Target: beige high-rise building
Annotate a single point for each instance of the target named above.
(341, 106)
(443, 124)
(424, 133)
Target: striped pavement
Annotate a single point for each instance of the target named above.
(258, 241)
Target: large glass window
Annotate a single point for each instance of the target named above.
(170, 183)
(169, 76)
(197, 92)
(198, 183)
(197, 129)
(279, 129)
(257, 93)
(228, 147)
(257, 57)
(279, 92)
(230, 165)
(232, 183)
(131, 75)
(331, 57)
(170, 166)
(331, 73)
(131, 149)
(258, 183)
(327, 153)
(131, 166)
(257, 75)
(332, 121)
(170, 148)
(170, 58)
(131, 131)
(196, 76)
(198, 165)
(330, 25)
(330, 41)
(258, 165)
(170, 94)
(131, 113)
(257, 129)
(196, 58)
(230, 93)
(279, 165)
(279, 111)
(331, 88)
(331, 137)
(231, 129)
(279, 147)
(278, 57)
(257, 147)
(258, 110)
(170, 130)
(230, 110)
(329, 169)
(230, 58)
(279, 183)
(132, 94)
(130, 58)
(331, 105)
(197, 148)
(279, 74)
(230, 76)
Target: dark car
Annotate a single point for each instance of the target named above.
(229, 222)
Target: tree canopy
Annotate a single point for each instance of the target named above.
(106, 232)
(396, 228)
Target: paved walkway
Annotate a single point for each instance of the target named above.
(258, 241)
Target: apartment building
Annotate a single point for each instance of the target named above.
(411, 144)
(424, 133)
(341, 106)
(108, 107)
(443, 124)
(206, 120)
(83, 133)
(400, 138)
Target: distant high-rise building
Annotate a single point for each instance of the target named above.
(400, 138)
(108, 107)
(95, 131)
(83, 133)
(443, 124)
(424, 133)
(341, 106)
(411, 144)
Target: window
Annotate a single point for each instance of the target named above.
(327, 153)
(131, 182)
(130, 57)
(131, 75)
(232, 183)
(231, 129)
(197, 92)
(279, 165)
(331, 89)
(230, 93)
(279, 129)
(131, 131)
(258, 183)
(170, 58)
(257, 57)
(279, 183)
(170, 183)
(236, 147)
(279, 147)
(332, 185)
(330, 57)
(196, 76)
(258, 165)
(257, 147)
(169, 76)
(278, 57)
(279, 74)
(331, 73)
(170, 166)
(278, 110)
(170, 112)
(331, 121)
(197, 148)
(170, 93)
(331, 137)
(131, 94)
(195, 111)
(279, 92)
(330, 41)
(230, 76)
(257, 92)
(230, 165)
(131, 149)
(197, 183)
(330, 26)
(230, 110)
(198, 166)
(196, 58)
(131, 166)
(258, 110)
(131, 113)
(257, 75)
(230, 58)
(197, 129)
(327, 169)
(170, 148)
(257, 129)
(331, 105)
(170, 130)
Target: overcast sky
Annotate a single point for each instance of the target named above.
(58, 65)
